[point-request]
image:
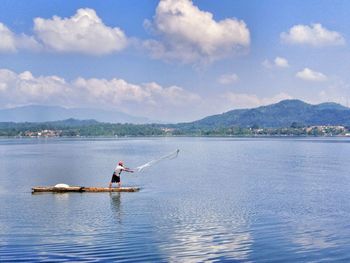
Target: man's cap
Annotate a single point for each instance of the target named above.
(120, 163)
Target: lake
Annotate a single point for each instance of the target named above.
(220, 200)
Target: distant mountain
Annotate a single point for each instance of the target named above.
(38, 113)
(282, 114)
(69, 123)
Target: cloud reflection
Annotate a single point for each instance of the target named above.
(205, 236)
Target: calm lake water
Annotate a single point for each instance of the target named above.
(221, 200)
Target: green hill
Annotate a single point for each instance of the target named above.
(283, 114)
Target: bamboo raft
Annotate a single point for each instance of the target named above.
(82, 189)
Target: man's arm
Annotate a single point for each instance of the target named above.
(127, 170)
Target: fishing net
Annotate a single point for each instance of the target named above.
(170, 156)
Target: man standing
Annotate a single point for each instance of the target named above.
(116, 175)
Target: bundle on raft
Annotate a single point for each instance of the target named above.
(63, 188)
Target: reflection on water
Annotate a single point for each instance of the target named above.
(116, 206)
(220, 200)
(60, 197)
(191, 244)
(314, 236)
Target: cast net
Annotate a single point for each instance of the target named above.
(170, 156)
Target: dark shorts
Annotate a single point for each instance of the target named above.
(115, 178)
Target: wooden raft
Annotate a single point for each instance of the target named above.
(82, 189)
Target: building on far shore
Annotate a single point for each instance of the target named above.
(43, 133)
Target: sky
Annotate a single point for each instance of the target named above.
(173, 60)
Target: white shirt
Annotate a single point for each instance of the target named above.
(118, 169)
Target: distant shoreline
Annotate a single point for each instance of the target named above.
(75, 129)
(175, 136)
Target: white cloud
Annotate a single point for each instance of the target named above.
(7, 77)
(25, 88)
(113, 92)
(84, 32)
(228, 79)
(278, 62)
(172, 95)
(314, 35)
(11, 42)
(24, 42)
(310, 75)
(242, 100)
(148, 99)
(7, 39)
(281, 62)
(189, 34)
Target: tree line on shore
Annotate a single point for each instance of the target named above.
(89, 128)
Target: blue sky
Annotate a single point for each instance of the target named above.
(173, 60)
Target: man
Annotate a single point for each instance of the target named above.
(116, 175)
